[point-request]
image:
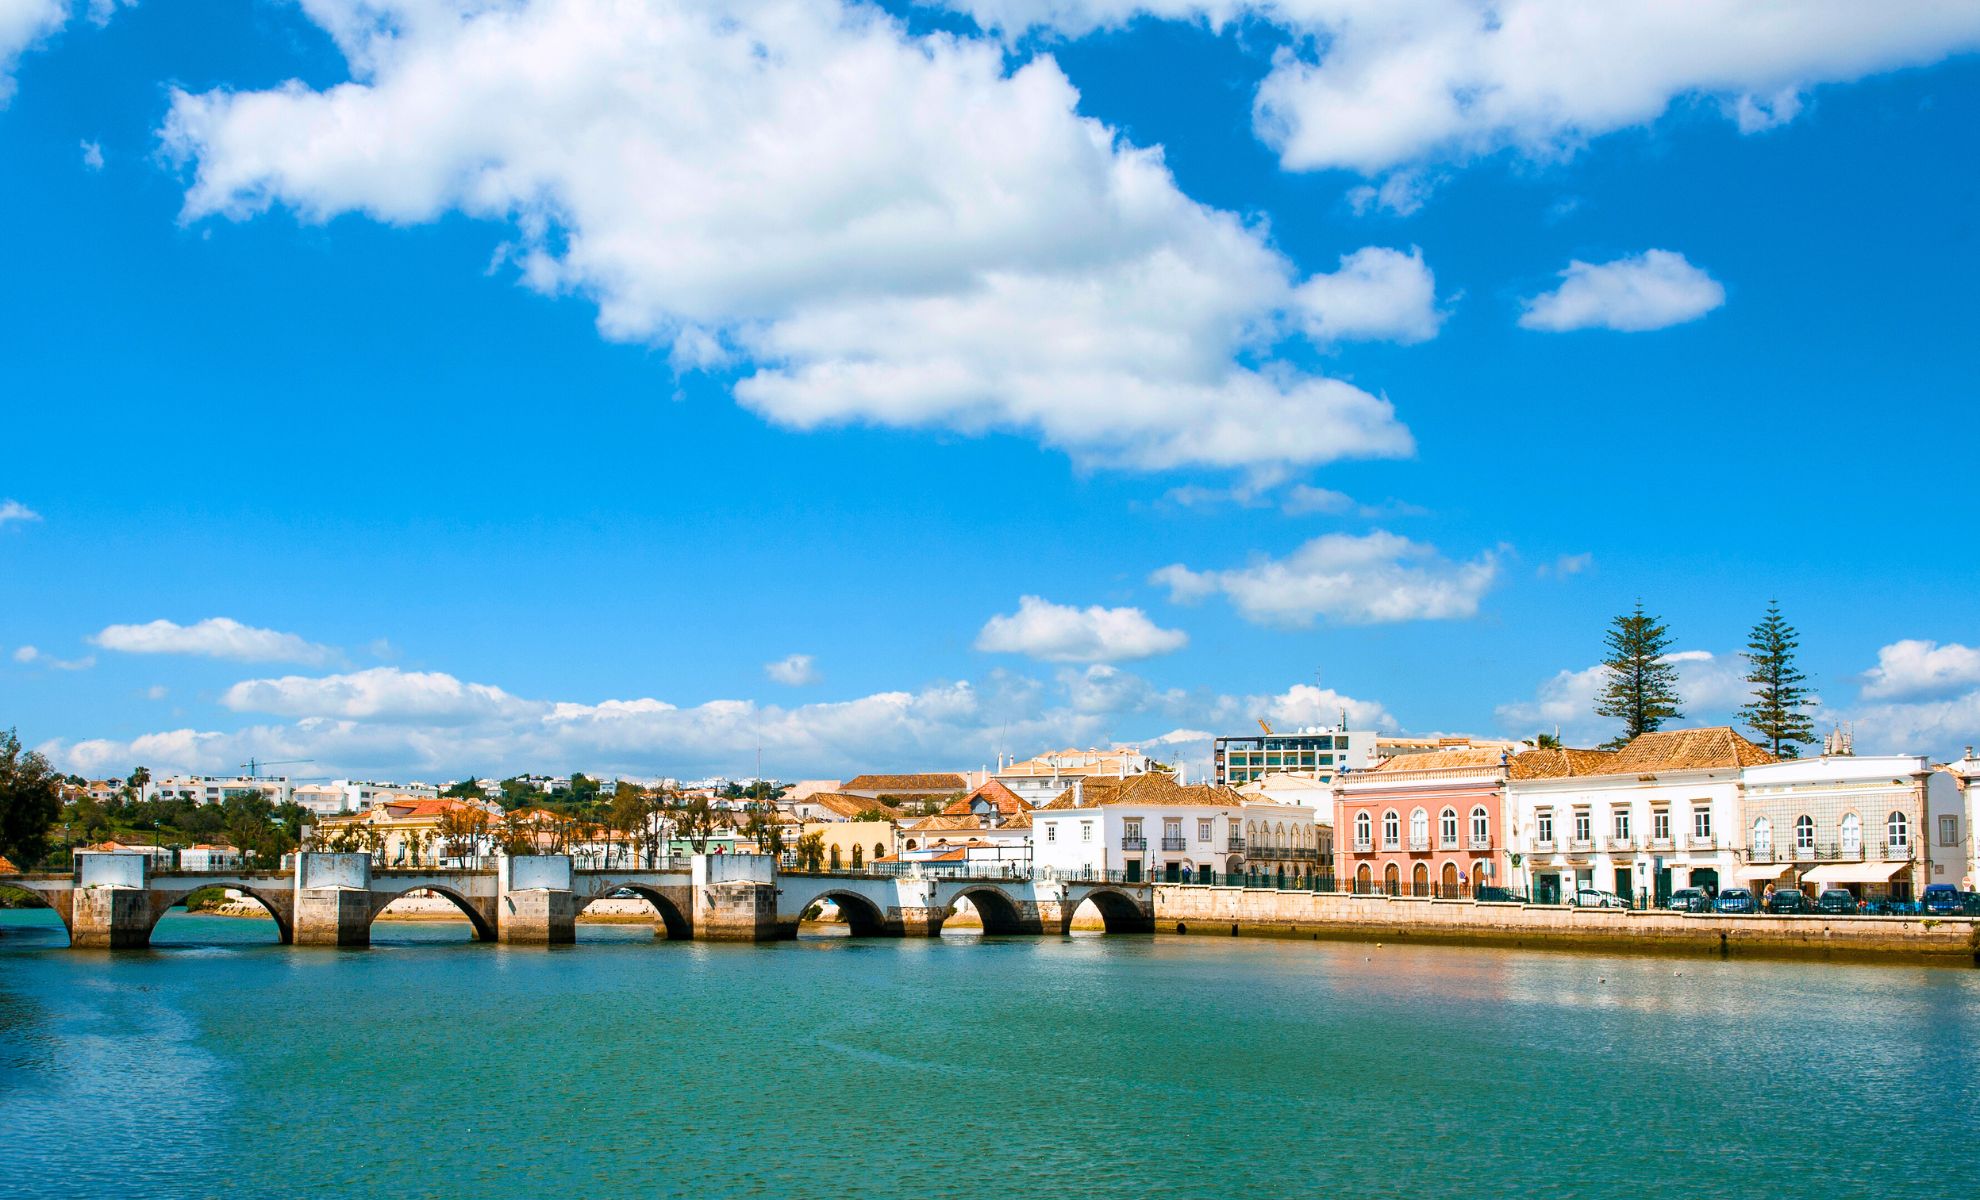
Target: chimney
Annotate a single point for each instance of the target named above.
(1079, 792)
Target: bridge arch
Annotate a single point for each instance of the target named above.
(863, 916)
(41, 900)
(484, 929)
(672, 919)
(277, 906)
(1119, 911)
(1000, 914)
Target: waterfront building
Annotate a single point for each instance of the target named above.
(837, 806)
(1662, 813)
(1319, 752)
(1428, 823)
(1039, 779)
(203, 856)
(907, 790)
(1282, 843)
(160, 856)
(848, 845)
(1144, 826)
(350, 795)
(989, 816)
(406, 831)
(1304, 791)
(1868, 824)
(1964, 776)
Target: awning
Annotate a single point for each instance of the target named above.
(1863, 872)
(1756, 874)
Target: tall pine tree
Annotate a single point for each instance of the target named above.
(1640, 688)
(1781, 699)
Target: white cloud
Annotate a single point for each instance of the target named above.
(22, 24)
(1377, 295)
(1711, 688)
(384, 722)
(92, 155)
(1652, 290)
(14, 510)
(1917, 669)
(1372, 85)
(868, 226)
(30, 654)
(156, 691)
(796, 670)
(1374, 578)
(215, 637)
(1565, 566)
(1401, 193)
(1303, 499)
(1062, 633)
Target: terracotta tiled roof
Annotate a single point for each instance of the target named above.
(7, 866)
(1441, 760)
(905, 785)
(1154, 788)
(850, 806)
(1688, 750)
(1002, 798)
(1559, 764)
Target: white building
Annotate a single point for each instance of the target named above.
(1302, 791)
(1662, 813)
(1885, 823)
(212, 789)
(1144, 826)
(1284, 841)
(205, 857)
(1959, 795)
(1039, 780)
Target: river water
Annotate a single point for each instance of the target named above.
(223, 1064)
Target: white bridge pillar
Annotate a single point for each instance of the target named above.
(534, 905)
(333, 899)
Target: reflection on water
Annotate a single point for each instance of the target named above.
(429, 1064)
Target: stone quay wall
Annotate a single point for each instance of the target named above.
(1264, 912)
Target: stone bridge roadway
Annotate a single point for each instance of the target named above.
(115, 900)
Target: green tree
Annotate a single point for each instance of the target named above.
(1781, 699)
(811, 852)
(1640, 686)
(693, 819)
(30, 801)
(1547, 741)
(466, 789)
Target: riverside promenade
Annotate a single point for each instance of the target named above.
(1271, 912)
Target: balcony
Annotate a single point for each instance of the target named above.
(1701, 842)
(1661, 843)
(1447, 843)
(1479, 843)
(1543, 845)
(1236, 844)
(1132, 842)
(1175, 843)
(1364, 846)
(1581, 845)
(1621, 845)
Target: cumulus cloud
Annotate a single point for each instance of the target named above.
(1917, 669)
(1052, 632)
(796, 670)
(1711, 688)
(779, 190)
(1652, 290)
(92, 155)
(384, 722)
(1369, 579)
(14, 510)
(32, 655)
(215, 637)
(1373, 85)
(1377, 295)
(22, 24)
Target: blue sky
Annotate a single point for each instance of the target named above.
(525, 388)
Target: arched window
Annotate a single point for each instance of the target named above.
(1363, 878)
(1391, 831)
(1364, 835)
(1898, 831)
(835, 858)
(1804, 834)
(1419, 830)
(1251, 833)
(1447, 828)
(1481, 826)
(859, 855)
(1763, 835)
(1852, 834)
(1391, 879)
(1419, 880)
(1279, 836)
(879, 851)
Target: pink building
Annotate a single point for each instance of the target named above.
(1430, 824)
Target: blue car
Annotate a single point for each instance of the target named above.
(1943, 899)
(1734, 900)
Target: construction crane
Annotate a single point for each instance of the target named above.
(253, 766)
(1265, 727)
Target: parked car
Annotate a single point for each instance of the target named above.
(1786, 901)
(1499, 895)
(1597, 898)
(1836, 900)
(1735, 900)
(1690, 900)
(1943, 899)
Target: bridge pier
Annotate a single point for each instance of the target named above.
(735, 899)
(535, 906)
(333, 903)
(110, 907)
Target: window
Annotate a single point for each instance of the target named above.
(1763, 835)
(1852, 833)
(1546, 831)
(1660, 824)
(1051, 833)
(1391, 830)
(1622, 824)
(1447, 828)
(1364, 835)
(1419, 830)
(1582, 832)
(1203, 829)
(1899, 831)
(1131, 828)
(1172, 828)
(1086, 831)
(1481, 826)
(1949, 831)
(1701, 823)
(1804, 834)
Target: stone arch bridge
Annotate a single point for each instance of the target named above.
(114, 901)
